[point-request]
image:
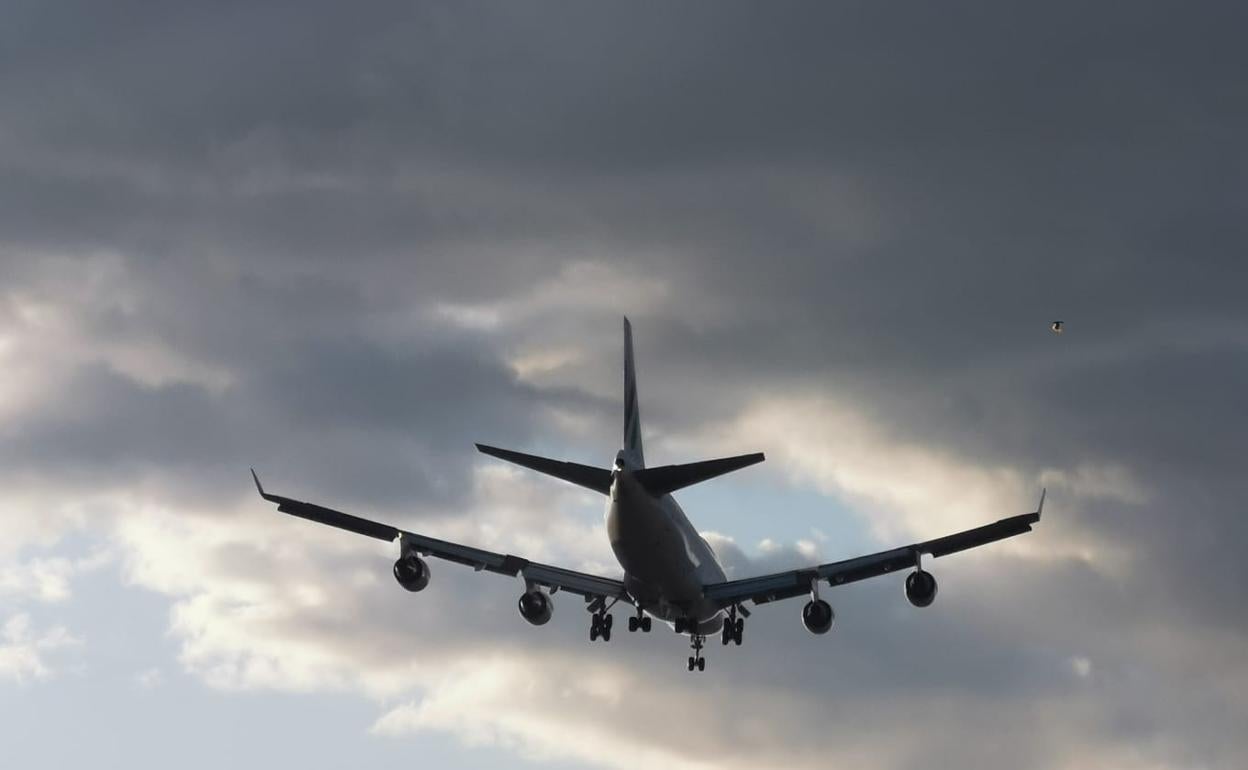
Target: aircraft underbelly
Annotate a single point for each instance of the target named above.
(660, 570)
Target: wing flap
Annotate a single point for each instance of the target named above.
(574, 582)
(785, 585)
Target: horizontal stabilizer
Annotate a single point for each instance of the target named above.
(597, 479)
(669, 478)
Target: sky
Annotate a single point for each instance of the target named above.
(343, 242)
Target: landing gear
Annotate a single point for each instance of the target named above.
(696, 660)
(734, 627)
(639, 622)
(600, 626)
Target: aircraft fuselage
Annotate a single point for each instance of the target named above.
(666, 562)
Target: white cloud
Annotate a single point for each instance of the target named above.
(43, 579)
(149, 679)
(47, 579)
(906, 491)
(24, 650)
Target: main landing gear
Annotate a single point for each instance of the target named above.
(696, 660)
(639, 622)
(734, 627)
(600, 626)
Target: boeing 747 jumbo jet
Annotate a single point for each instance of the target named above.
(670, 572)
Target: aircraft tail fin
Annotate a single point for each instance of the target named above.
(632, 410)
(669, 478)
(597, 479)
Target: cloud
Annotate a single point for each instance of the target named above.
(149, 679)
(346, 245)
(24, 650)
(47, 580)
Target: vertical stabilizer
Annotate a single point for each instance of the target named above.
(632, 411)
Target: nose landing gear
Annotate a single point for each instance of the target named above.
(696, 661)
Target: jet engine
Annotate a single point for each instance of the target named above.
(412, 572)
(536, 607)
(817, 616)
(920, 588)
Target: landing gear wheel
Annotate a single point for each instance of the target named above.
(692, 663)
(701, 664)
(734, 627)
(639, 622)
(600, 627)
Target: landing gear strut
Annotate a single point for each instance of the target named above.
(696, 660)
(639, 622)
(600, 626)
(734, 627)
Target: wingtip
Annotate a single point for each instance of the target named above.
(1040, 508)
(256, 479)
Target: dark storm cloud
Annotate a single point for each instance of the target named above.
(888, 205)
(1012, 166)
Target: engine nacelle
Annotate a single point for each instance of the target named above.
(536, 606)
(817, 616)
(412, 572)
(920, 588)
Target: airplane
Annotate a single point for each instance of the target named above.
(670, 571)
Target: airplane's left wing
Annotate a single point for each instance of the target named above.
(590, 586)
(798, 582)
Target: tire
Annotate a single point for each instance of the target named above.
(645, 625)
(701, 664)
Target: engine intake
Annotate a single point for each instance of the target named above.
(920, 588)
(817, 616)
(536, 607)
(412, 573)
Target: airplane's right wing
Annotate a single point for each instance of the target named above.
(798, 582)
